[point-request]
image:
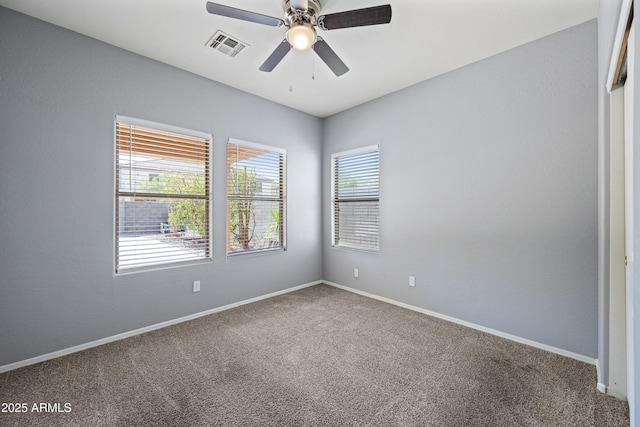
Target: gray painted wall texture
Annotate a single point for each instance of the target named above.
(488, 192)
(59, 93)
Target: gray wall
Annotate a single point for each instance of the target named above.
(488, 192)
(59, 93)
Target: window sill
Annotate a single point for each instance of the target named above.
(256, 252)
(357, 249)
(158, 267)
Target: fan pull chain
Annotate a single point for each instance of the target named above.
(290, 77)
(313, 63)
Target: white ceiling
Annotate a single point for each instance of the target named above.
(424, 39)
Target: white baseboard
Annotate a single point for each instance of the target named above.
(515, 338)
(64, 352)
(602, 388)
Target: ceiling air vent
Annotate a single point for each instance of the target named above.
(226, 44)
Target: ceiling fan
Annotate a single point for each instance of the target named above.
(301, 17)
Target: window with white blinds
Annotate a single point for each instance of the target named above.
(162, 195)
(355, 180)
(256, 198)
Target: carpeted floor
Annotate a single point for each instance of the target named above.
(318, 356)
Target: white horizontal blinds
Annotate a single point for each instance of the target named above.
(162, 197)
(255, 197)
(356, 199)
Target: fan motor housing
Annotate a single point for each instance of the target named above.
(295, 16)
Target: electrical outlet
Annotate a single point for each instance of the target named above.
(412, 281)
(356, 273)
(196, 286)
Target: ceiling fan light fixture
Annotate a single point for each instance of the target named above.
(301, 36)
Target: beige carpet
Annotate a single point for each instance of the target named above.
(319, 356)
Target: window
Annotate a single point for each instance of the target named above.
(355, 183)
(162, 195)
(255, 198)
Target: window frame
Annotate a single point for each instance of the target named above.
(207, 197)
(335, 200)
(282, 199)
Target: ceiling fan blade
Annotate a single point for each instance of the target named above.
(245, 15)
(356, 18)
(276, 56)
(329, 57)
(299, 4)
